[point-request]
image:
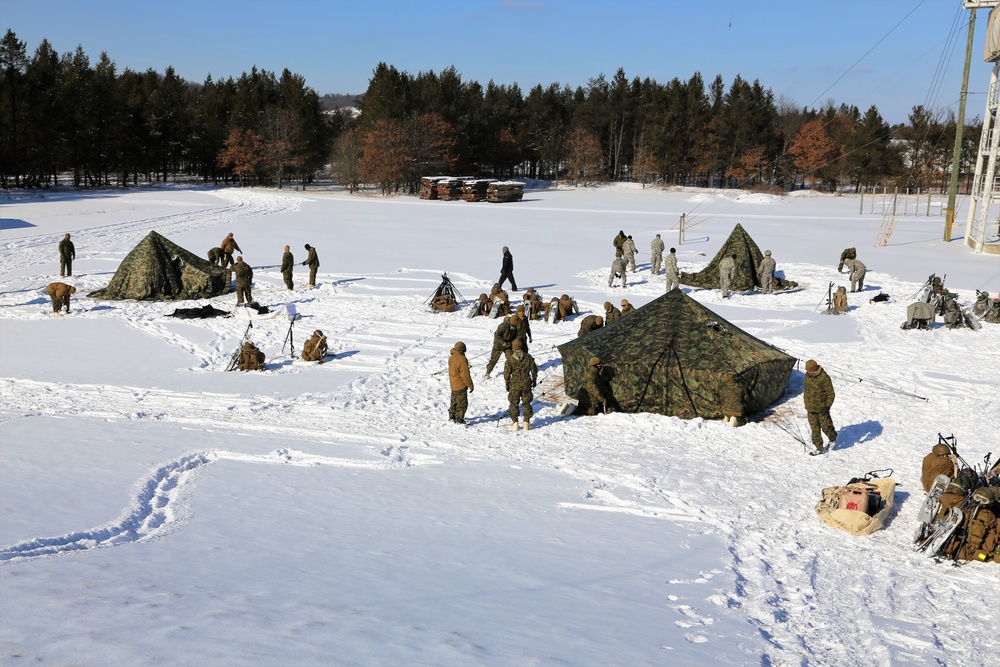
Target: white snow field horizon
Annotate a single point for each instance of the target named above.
(156, 510)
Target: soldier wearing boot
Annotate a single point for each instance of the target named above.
(67, 253)
(629, 249)
(520, 374)
(733, 401)
(315, 348)
(727, 270)
(59, 293)
(611, 314)
(618, 271)
(244, 276)
(818, 397)
(656, 255)
(461, 383)
(618, 242)
(229, 246)
(503, 338)
(312, 261)
(287, 264)
(671, 271)
(590, 323)
(766, 273)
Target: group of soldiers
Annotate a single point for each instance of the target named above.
(222, 256)
(59, 292)
(624, 261)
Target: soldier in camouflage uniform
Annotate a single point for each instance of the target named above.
(594, 392)
(67, 253)
(629, 249)
(766, 273)
(849, 253)
(461, 383)
(673, 275)
(503, 339)
(523, 328)
(244, 276)
(611, 314)
(818, 396)
(656, 256)
(727, 270)
(287, 264)
(733, 401)
(627, 308)
(520, 374)
(857, 271)
(618, 271)
(618, 242)
(312, 261)
(590, 323)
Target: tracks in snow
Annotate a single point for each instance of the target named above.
(159, 501)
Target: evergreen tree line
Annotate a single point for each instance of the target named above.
(62, 115)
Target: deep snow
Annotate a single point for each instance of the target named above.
(332, 515)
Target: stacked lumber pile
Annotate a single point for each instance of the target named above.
(504, 191)
(448, 189)
(427, 185)
(475, 189)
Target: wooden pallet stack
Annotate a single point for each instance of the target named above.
(505, 191)
(475, 189)
(449, 189)
(427, 186)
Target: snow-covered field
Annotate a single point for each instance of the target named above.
(157, 510)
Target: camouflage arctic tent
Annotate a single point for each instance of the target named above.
(160, 270)
(669, 357)
(748, 258)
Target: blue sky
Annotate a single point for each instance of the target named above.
(910, 51)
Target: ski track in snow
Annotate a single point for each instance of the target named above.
(781, 572)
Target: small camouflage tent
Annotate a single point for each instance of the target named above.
(670, 356)
(748, 258)
(160, 270)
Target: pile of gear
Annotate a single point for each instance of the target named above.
(445, 297)
(960, 518)
(933, 300)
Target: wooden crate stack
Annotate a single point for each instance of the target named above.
(505, 191)
(475, 189)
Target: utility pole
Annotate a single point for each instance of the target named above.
(956, 160)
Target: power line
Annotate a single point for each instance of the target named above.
(866, 53)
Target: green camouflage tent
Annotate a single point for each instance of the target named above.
(748, 258)
(160, 270)
(669, 357)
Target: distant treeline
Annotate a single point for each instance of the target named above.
(62, 115)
